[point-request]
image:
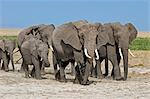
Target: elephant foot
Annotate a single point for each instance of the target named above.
(43, 73)
(63, 80)
(6, 70)
(76, 81)
(39, 78)
(27, 76)
(100, 77)
(57, 75)
(106, 74)
(86, 82)
(119, 78)
(124, 78)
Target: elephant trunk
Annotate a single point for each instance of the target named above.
(47, 64)
(97, 55)
(125, 62)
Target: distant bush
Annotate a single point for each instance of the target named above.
(8, 37)
(140, 44)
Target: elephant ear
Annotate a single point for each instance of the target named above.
(2, 45)
(69, 35)
(132, 30)
(105, 36)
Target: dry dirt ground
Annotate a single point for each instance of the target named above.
(13, 85)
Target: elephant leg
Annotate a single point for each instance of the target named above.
(55, 67)
(42, 68)
(33, 72)
(12, 62)
(98, 69)
(113, 58)
(125, 62)
(36, 64)
(78, 74)
(26, 69)
(22, 69)
(0, 64)
(72, 68)
(118, 59)
(87, 72)
(6, 62)
(2, 68)
(37, 72)
(106, 67)
(62, 72)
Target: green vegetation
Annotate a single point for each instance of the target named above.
(8, 37)
(138, 44)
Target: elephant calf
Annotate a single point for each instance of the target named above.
(34, 52)
(6, 53)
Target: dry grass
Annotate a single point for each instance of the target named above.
(9, 32)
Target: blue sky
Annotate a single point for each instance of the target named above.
(24, 13)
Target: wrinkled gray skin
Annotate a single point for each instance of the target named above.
(107, 50)
(6, 53)
(42, 32)
(34, 52)
(123, 36)
(68, 42)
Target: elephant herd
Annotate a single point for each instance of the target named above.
(80, 43)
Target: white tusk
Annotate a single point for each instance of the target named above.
(97, 55)
(51, 48)
(41, 59)
(86, 53)
(120, 53)
(131, 53)
(8, 53)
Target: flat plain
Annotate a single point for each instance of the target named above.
(13, 85)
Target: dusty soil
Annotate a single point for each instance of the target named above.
(13, 85)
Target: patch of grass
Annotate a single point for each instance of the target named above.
(140, 44)
(8, 37)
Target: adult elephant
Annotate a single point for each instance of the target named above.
(107, 50)
(34, 52)
(123, 35)
(6, 53)
(70, 43)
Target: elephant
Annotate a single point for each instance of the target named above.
(72, 43)
(34, 52)
(42, 32)
(123, 35)
(107, 50)
(6, 53)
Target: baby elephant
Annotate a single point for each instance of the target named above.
(6, 53)
(34, 52)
